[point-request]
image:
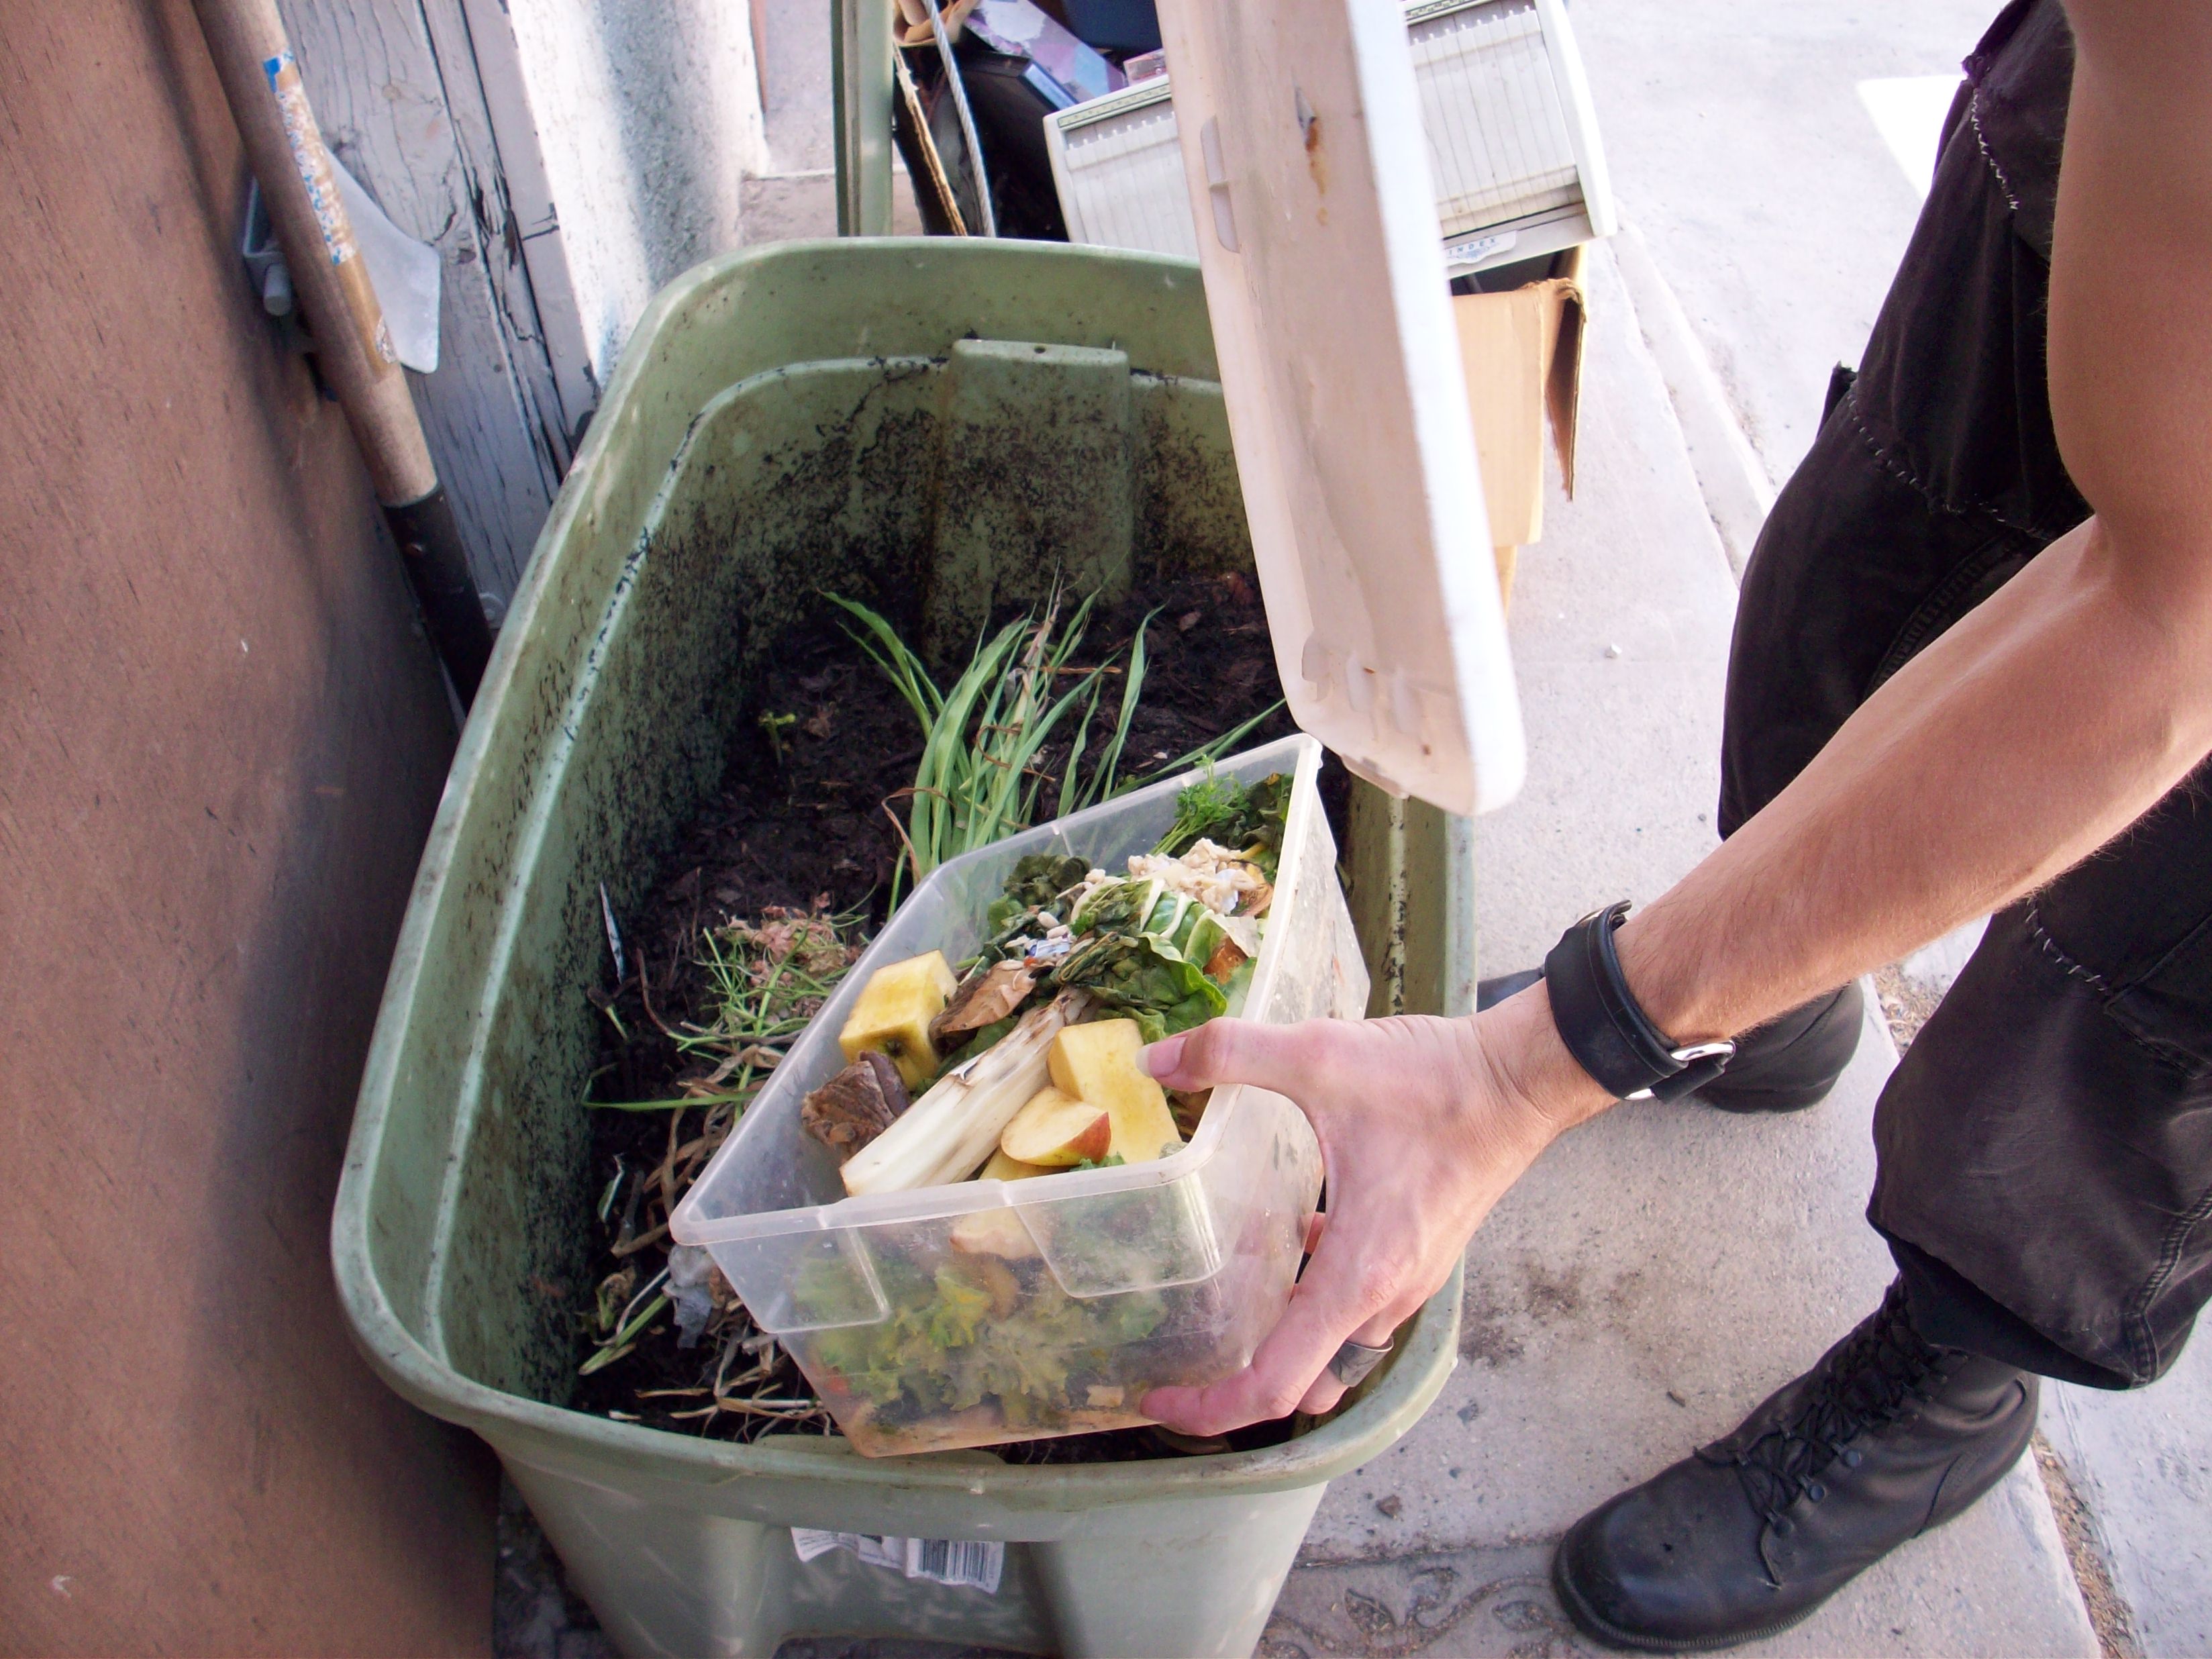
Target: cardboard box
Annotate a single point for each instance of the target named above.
(1520, 348)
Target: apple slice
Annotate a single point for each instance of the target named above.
(1056, 1128)
(1097, 1062)
(994, 1232)
(893, 1014)
(1000, 1167)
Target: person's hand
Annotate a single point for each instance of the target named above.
(1424, 1123)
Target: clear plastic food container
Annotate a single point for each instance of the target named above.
(989, 1311)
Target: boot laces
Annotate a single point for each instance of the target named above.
(1866, 1383)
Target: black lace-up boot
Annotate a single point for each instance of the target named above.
(1888, 1436)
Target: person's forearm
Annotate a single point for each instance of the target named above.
(2062, 707)
(2029, 734)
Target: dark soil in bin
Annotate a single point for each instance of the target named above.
(801, 827)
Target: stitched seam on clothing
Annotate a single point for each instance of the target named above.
(1938, 611)
(2166, 1053)
(1974, 116)
(2073, 969)
(1905, 475)
(2169, 1257)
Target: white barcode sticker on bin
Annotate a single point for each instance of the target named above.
(975, 1563)
(966, 1563)
(810, 1541)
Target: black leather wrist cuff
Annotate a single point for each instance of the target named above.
(1607, 1030)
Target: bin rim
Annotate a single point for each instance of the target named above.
(1386, 1406)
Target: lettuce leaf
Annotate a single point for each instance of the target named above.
(1139, 974)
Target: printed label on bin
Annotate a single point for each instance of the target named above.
(963, 1562)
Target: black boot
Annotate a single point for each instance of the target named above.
(1886, 1437)
(1491, 991)
(1787, 1065)
(1792, 1062)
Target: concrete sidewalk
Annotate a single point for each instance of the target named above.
(2142, 1464)
(1743, 153)
(796, 199)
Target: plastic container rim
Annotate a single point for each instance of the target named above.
(687, 1226)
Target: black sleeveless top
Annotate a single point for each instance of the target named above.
(2020, 78)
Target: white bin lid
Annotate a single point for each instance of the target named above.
(1302, 141)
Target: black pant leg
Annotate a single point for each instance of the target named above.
(2048, 1137)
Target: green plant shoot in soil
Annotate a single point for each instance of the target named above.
(767, 981)
(977, 781)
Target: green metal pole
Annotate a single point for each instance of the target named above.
(861, 93)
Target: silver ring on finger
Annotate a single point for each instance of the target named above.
(1354, 1360)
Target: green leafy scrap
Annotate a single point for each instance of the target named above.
(1037, 883)
(1145, 978)
(938, 1352)
(1246, 818)
(958, 1310)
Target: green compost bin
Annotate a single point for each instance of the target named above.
(913, 420)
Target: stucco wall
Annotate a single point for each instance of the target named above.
(649, 114)
(221, 741)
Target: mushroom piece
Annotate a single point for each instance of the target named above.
(855, 1106)
(985, 997)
